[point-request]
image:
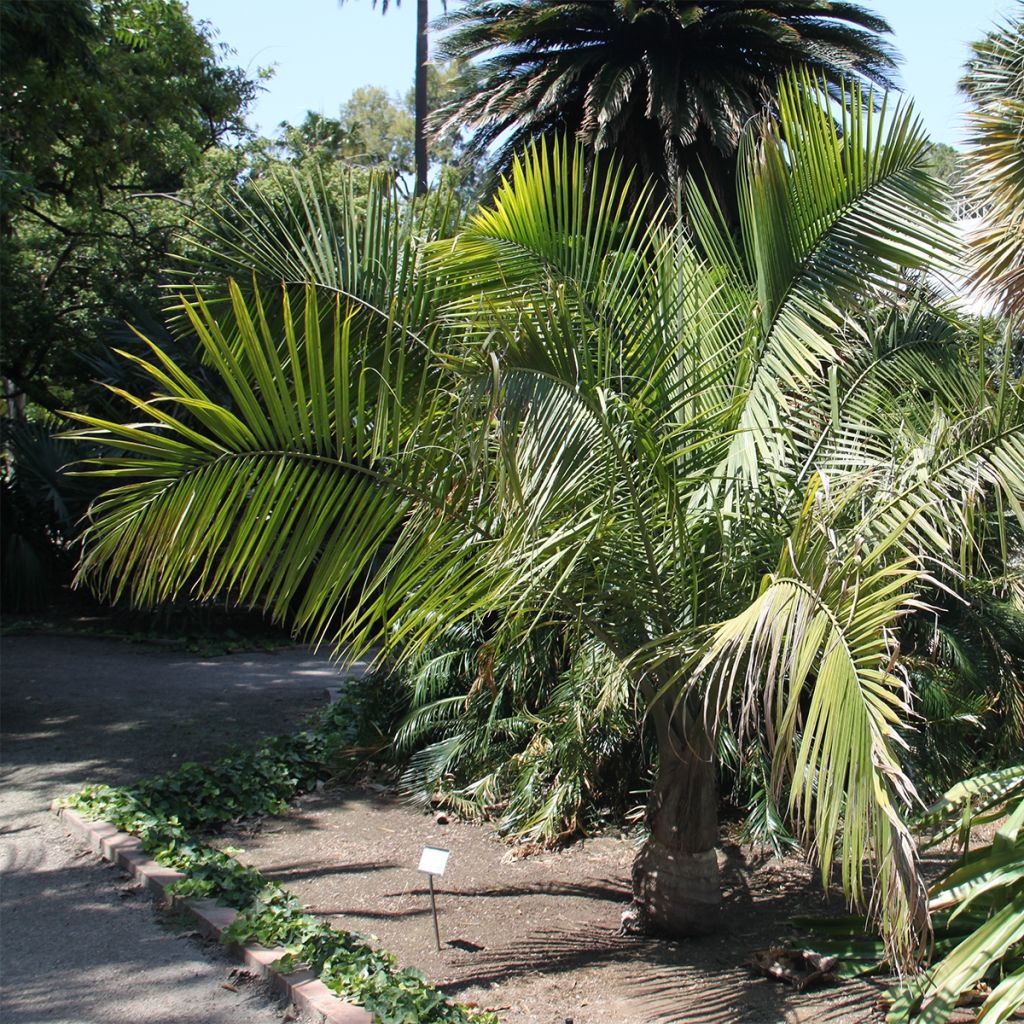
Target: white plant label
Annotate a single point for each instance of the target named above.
(434, 860)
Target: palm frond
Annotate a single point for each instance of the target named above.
(994, 84)
(829, 213)
(812, 657)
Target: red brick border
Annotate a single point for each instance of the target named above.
(304, 989)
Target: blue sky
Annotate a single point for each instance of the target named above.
(323, 50)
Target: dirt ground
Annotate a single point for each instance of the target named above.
(535, 937)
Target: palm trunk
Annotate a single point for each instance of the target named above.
(421, 97)
(675, 876)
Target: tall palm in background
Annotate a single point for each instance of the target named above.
(420, 155)
(697, 459)
(668, 85)
(994, 84)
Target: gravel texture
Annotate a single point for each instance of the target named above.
(78, 943)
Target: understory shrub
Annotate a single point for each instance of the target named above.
(541, 738)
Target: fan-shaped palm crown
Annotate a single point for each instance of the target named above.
(667, 83)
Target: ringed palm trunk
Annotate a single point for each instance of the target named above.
(675, 876)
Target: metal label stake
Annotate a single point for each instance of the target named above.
(433, 910)
(433, 862)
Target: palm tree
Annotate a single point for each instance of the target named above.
(666, 84)
(693, 456)
(994, 84)
(420, 88)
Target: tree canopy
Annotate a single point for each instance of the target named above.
(668, 85)
(104, 103)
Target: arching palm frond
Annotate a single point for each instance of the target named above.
(940, 436)
(813, 657)
(290, 497)
(828, 218)
(570, 415)
(360, 238)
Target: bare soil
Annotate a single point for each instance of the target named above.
(535, 937)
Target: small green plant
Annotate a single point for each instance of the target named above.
(164, 811)
(977, 911)
(977, 906)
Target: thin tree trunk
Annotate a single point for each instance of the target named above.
(422, 57)
(675, 876)
(15, 397)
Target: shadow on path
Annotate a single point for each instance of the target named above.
(78, 944)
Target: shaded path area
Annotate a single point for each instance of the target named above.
(78, 944)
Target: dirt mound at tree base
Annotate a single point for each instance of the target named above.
(536, 937)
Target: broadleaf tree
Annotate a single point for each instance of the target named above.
(106, 105)
(419, 88)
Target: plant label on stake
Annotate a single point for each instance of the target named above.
(433, 861)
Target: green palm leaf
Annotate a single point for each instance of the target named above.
(821, 623)
(824, 215)
(994, 83)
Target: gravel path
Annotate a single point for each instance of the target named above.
(80, 945)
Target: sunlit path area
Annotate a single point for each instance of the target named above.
(81, 943)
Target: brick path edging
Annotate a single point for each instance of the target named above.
(304, 989)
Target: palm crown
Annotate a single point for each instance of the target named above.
(994, 85)
(667, 84)
(728, 465)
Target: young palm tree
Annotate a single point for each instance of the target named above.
(693, 458)
(668, 85)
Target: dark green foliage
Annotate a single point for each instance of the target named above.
(41, 505)
(127, 94)
(538, 736)
(540, 739)
(746, 776)
(967, 671)
(106, 104)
